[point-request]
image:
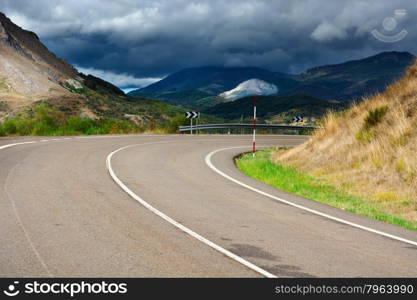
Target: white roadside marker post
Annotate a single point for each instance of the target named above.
(254, 128)
(198, 122)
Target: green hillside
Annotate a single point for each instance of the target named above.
(187, 98)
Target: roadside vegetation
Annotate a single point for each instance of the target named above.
(289, 179)
(43, 120)
(368, 150)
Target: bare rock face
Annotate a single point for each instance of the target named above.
(28, 69)
(29, 45)
(3, 34)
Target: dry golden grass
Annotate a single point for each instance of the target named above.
(369, 150)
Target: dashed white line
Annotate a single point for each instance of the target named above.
(210, 164)
(16, 144)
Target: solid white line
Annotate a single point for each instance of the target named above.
(210, 164)
(175, 223)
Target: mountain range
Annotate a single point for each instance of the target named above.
(30, 74)
(338, 82)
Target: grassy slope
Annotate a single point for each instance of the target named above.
(369, 150)
(88, 111)
(290, 180)
(104, 100)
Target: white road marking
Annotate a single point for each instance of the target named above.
(175, 223)
(16, 144)
(211, 244)
(210, 164)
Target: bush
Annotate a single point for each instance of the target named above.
(80, 125)
(48, 116)
(43, 129)
(24, 127)
(10, 127)
(48, 121)
(119, 126)
(364, 135)
(375, 116)
(177, 121)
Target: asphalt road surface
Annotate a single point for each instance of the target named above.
(63, 215)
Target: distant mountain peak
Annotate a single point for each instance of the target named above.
(250, 87)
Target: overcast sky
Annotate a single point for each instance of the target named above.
(135, 42)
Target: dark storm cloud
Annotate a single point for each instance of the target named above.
(138, 41)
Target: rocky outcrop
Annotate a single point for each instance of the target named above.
(28, 69)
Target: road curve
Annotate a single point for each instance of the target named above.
(63, 215)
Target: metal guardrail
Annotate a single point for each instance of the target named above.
(243, 125)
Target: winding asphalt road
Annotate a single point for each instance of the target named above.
(63, 215)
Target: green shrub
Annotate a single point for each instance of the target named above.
(10, 127)
(48, 116)
(375, 116)
(44, 120)
(43, 129)
(364, 135)
(96, 130)
(17, 127)
(120, 126)
(172, 126)
(81, 125)
(24, 127)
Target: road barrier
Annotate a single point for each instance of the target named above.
(246, 126)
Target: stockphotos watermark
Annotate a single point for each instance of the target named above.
(61, 288)
(390, 32)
